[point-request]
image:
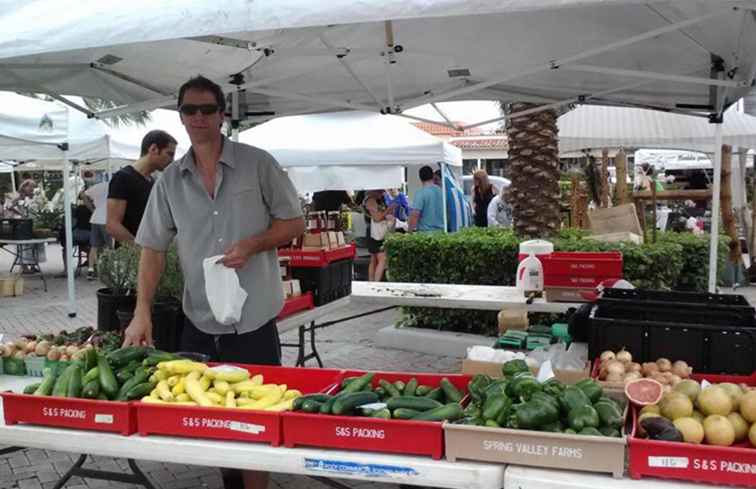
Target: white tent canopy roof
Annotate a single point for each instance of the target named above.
(299, 56)
(593, 127)
(348, 150)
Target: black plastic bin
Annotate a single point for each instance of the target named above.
(327, 283)
(708, 348)
(698, 299)
(16, 229)
(643, 311)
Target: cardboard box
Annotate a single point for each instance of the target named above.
(617, 237)
(493, 369)
(622, 218)
(536, 448)
(317, 241)
(11, 286)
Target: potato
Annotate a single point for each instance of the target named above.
(71, 350)
(43, 348)
(53, 355)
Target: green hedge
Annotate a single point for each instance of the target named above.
(488, 256)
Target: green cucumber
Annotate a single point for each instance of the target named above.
(123, 356)
(108, 383)
(423, 390)
(359, 383)
(139, 391)
(452, 393)
(47, 384)
(90, 359)
(158, 356)
(32, 388)
(92, 373)
(348, 380)
(140, 376)
(416, 403)
(381, 413)
(327, 405)
(91, 389)
(405, 413)
(436, 394)
(380, 391)
(391, 391)
(346, 403)
(61, 384)
(299, 401)
(311, 406)
(450, 412)
(410, 388)
(74, 381)
(400, 385)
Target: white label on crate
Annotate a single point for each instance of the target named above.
(64, 413)
(355, 432)
(104, 418)
(254, 429)
(534, 450)
(669, 462)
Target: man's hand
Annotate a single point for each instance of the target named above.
(139, 332)
(238, 255)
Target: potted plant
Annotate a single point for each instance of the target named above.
(117, 270)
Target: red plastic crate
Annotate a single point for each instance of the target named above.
(574, 281)
(372, 434)
(234, 424)
(735, 465)
(293, 305)
(66, 412)
(317, 258)
(583, 264)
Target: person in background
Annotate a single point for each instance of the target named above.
(130, 187)
(400, 201)
(499, 211)
(98, 236)
(381, 222)
(428, 205)
(331, 200)
(221, 198)
(483, 193)
(81, 216)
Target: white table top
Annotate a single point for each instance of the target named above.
(519, 477)
(27, 241)
(450, 296)
(376, 467)
(306, 317)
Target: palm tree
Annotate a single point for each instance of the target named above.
(534, 162)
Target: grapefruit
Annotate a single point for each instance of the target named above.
(690, 388)
(644, 392)
(692, 431)
(739, 425)
(748, 406)
(677, 407)
(718, 431)
(752, 435)
(714, 400)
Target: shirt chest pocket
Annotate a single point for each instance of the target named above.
(248, 211)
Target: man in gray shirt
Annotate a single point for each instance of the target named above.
(221, 198)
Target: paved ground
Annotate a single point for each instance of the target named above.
(347, 345)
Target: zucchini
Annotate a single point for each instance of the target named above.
(108, 383)
(381, 413)
(400, 385)
(123, 356)
(452, 393)
(122, 376)
(138, 391)
(299, 401)
(359, 383)
(405, 413)
(380, 391)
(48, 382)
(325, 408)
(450, 412)
(141, 375)
(32, 388)
(74, 381)
(92, 373)
(422, 390)
(346, 403)
(91, 389)
(310, 406)
(416, 403)
(410, 388)
(90, 359)
(348, 380)
(158, 356)
(391, 391)
(436, 394)
(61, 384)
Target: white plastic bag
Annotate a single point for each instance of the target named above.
(224, 294)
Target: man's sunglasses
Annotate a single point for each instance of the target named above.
(204, 109)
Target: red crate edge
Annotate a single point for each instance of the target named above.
(293, 305)
(317, 258)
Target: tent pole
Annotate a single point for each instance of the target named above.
(69, 231)
(443, 195)
(714, 237)
(235, 116)
(13, 179)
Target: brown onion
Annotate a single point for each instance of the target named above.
(53, 354)
(624, 356)
(606, 356)
(675, 379)
(659, 377)
(615, 378)
(632, 376)
(649, 368)
(615, 367)
(634, 367)
(664, 364)
(681, 369)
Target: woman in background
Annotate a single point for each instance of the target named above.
(483, 193)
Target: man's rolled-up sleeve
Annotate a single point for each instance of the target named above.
(278, 192)
(157, 228)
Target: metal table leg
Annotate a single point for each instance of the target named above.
(136, 477)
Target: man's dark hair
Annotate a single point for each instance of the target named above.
(26, 176)
(200, 83)
(161, 138)
(426, 173)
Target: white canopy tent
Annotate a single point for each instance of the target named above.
(299, 56)
(348, 150)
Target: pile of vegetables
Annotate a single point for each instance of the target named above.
(188, 383)
(61, 347)
(121, 375)
(620, 368)
(519, 401)
(398, 400)
(720, 414)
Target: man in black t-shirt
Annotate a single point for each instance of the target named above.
(130, 186)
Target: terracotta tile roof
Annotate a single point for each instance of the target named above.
(499, 142)
(437, 129)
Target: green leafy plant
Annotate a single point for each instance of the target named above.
(118, 269)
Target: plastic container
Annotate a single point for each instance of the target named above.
(530, 275)
(538, 247)
(317, 258)
(35, 366)
(234, 424)
(372, 434)
(328, 283)
(606, 264)
(16, 229)
(293, 305)
(699, 463)
(696, 299)
(66, 412)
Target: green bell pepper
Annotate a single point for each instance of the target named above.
(477, 386)
(609, 431)
(573, 397)
(547, 398)
(523, 387)
(496, 387)
(494, 405)
(533, 414)
(513, 366)
(583, 417)
(590, 431)
(590, 388)
(555, 427)
(553, 387)
(609, 414)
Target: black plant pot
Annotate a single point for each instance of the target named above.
(167, 323)
(107, 306)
